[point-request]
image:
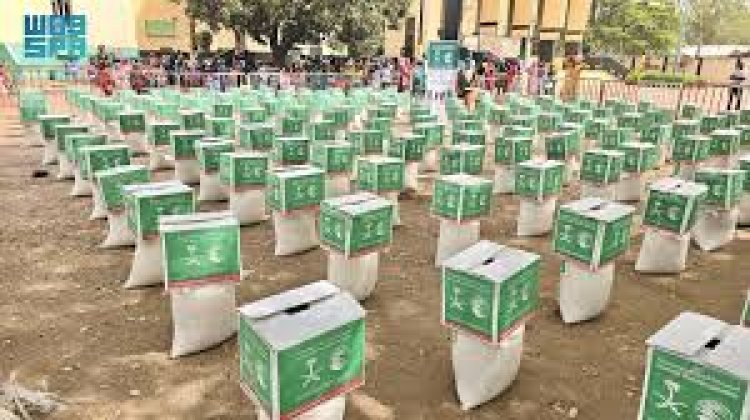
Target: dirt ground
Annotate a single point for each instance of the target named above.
(68, 326)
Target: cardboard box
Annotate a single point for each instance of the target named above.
(490, 290)
(409, 147)
(513, 150)
(75, 141)
(257, 136)
(333, 156)
(558, 146)
(724, 142)
(112, 180)
(200, 249)
(592, 231)
(146, 203)
(630, 120)
(639, 157)
(684, 128)
(291, 150)
(182, 143)
(462, 159)
(691, 111)
(550, 122)
(253, 115)
(744, 164)
(539, 179)
(193, 120)
(301, 348)
(366, 142)
(324, 130)
(380, 124)
(97, 158)
(49, 122)
(657, 134)
(221, 127)
(243, 169)
(209, 149)
(223, 110)
(64, 130)
(433, 133)
(159, 133)
(711, 123)
(380, 174)
(357, 223)
(132, 122)
(469, 137)
(595, 128)
(725, 186)
(602, 166)
(462, 197)
(167, 110)
(672, 204)
(691, 148)
(294, 187)
(697, 368)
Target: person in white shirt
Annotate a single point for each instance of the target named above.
(736, 80)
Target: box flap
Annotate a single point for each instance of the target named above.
(491, 261)
(598, 209)
(678, 186)
(733, 352)
(606, 152)
(120, 170)
(688, 334)
(541, 164)
(197, 221)
(248, 155)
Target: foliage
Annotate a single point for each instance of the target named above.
(282, 24)
(637, 76)
(634, 27)
(203, 40)
(717, 22)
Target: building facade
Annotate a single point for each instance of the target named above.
(505, 27)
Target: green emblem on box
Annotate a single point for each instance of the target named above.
(257, 136)
(301, 348)
(74, 142)
(224, 110)
(684, 128)
(200, 248)
(160, 131)
(461, 159)
(251, 115)
(183, 142)
(725, 142)
(550, 122)
(291, 126)
(711, 123)
(592, 230)
(602, 166)
(512, 150)
(357, 223)
(380, 174)
(409, 147)
(111, 181)
(691, 148)
(630, 120)
(324, 130)
(291, 150)
(221, 127)
(193, 120)
(366, 142)
(332, 157)
(208, 150)
(696, 369)
(489, 290)
(657, 134)
(724, 185)
(539, 179)
(243, 169)
(146, 203)
(132, 122)
(432, 132)
(294, 187)
(558, 146)
(462, 197)
(62, 131)
(98, 158)
(50, 122)
(672, 204)
(639, 157)
(595, 128)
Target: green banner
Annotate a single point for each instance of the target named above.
(160, 28)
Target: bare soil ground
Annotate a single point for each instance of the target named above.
(68, 326)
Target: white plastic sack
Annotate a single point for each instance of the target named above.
(157, 160)
(584, 294)
(662, 252)
(187, 171)
(482, 371)
(337, 185)
(505, 179)
(35, 135)
(64, 167)
(411, 175)
(455, 237)
(81, 187)
(295, 232)
(431, 160)
(715, 228)
(99, 211)
(146, 269)
(50, 153)
(202, 317)
(211, 188)
(118, 233)
(136, 141)
(602, 191)
(632, 187)
(572, 171)
(332, 409)
(535, 217)
(686, 172)
(744, 206)
(357, 275)
(393, 196)
(248, 206)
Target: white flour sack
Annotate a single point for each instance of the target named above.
(337, 185)
(81, 187)
(187, 171)
(211, 188)
(536, 217)
(631, 187)
(295, 232)
(411, 175)
(482, 371)
(602, 191)
(64, 167)
(147, 264)
(393, 196)
(455, 237)
(505, 179)
(715, 228)
(202, 317)
(584, 294)
(99, 211)
(118, 232)
(663, 252)
(50, 153)
(332, 409)
(248, 206)
(157, 159)
(744, 217)
(357, 275)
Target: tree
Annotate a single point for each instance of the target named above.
(203, 40)
(282, 24)
(712, 22)
(634, 27)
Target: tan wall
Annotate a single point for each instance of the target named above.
(553, 14)
(578, 16)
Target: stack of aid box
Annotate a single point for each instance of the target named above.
(243, 174)
(716, 224)
(538, 183)
(601, 170)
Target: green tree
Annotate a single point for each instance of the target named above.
(716, 22)
(633, 27)
(282, 24)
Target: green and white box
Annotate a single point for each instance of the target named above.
(725, 142)
(697, 368)
(513, 150)
(183, 143)
(291, 150)
(691, 148)
(291, 126)
(146, 203)
(223, 110)
(630, 120)
(594, 129)
(602, 166)
(297, 187)
(539, 179)
(356, 224)
(221, 127)
(490, 290)
(324, 130)
(48, 124)
(593, 231)
(409, 147)
(657, 134)
(240, 170)
(711, 123)
(462, 197)
(99, 158)
(301, 348)
(159, 132)
(257, 136)
(672, 204)
(380, 174)
(469, 137)
(112, 180)
(683, 128)
(200, 249)
(639, 157)
(209, 149)
(253, 114)
(725, 186)
(558, 146)
(193, 120)
(432, 132)
(462, 159)
(333, 157)
(74, 142)
(132, 122)
(550, 122)
(64, 130)
(366, 142)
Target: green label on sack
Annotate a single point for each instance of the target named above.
(202, 254)
(111, 186)
(96, 159)
(144, 212)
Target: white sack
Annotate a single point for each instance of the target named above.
(202, 317)
(50, 153)
(393, 196)
(157, 160)
(505, 180)
(64, 167)
(211, 188)
(482, 371)
(337, 185)
(663, 252)
(332, 409)
(686, 172)
(357, 275)
(35, 136)
(632, 187)
(81, 187)
(715, 228)
(744, 206)
(295, 232)
(535, 217)
(136, 141)
(411, 175)
(146, 269)
(99, 211)
(248, 206)
(119, 233)
(455, 237)
(187, 171)
(602, 191)
(431, 159)
(584, 294)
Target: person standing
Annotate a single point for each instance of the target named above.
(736, 80)
(573, 69)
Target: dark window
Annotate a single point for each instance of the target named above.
(61, 7)
(451, 18)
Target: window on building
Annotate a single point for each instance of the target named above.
(61, 7)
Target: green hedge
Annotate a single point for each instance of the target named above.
(661, 77)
